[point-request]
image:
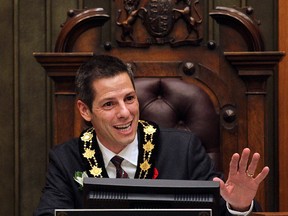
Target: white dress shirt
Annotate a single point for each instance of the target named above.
(130, 155)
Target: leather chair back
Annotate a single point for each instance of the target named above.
(173, 103)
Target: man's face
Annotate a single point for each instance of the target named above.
(115, 111)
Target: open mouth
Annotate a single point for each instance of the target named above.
(125, 127)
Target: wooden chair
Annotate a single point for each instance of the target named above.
(216, 90)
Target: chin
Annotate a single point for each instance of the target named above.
(127, 140)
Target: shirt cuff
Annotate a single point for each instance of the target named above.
(240, 213)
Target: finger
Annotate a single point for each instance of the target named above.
(244, 160)
(222, 186)
(234, 164)
(262, 175)
(253, 165)
(216, 179)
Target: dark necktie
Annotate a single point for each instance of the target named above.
(120, 173)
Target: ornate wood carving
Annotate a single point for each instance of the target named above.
(242, 21)
(81, 31)
(159, 19)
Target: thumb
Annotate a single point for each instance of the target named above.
(222, 186)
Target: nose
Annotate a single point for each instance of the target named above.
(123, 111)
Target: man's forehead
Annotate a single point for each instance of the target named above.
(113, 86)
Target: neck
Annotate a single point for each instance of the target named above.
(117, 148)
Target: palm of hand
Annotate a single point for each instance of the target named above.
(239, 190)
(241, 187)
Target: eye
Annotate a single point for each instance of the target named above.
(108, 105)
(130, 98)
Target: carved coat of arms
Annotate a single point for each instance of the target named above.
(159, 18)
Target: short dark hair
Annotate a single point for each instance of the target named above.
(98, 67)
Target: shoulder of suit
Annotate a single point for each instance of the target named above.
(65, 146)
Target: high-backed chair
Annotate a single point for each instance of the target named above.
(183, 80)
(173, 103)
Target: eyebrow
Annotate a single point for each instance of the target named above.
(113, 98)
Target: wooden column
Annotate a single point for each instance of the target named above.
(255, 68)
(283, 107)
(61, 68)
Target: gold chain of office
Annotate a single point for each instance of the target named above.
(148, 146)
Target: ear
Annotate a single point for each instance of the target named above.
(84, 110)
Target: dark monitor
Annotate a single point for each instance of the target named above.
(145, 196)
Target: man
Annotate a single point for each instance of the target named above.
(106, 98)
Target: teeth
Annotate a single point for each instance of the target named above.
(122, 127)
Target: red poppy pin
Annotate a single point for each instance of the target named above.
(155, 174)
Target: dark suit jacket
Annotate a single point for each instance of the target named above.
(180, 156)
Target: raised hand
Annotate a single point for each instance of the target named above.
(241, 186)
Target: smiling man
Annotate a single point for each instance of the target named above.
(106, 97)
(114, 112)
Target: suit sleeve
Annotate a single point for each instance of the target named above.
(58, 190)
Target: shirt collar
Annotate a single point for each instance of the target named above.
(129, 153)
